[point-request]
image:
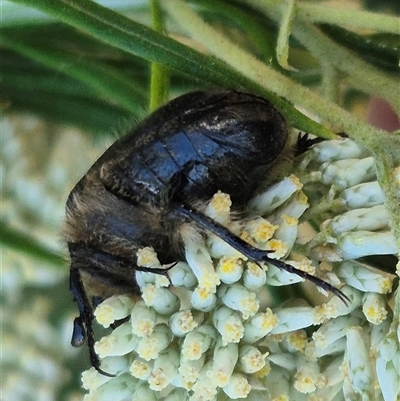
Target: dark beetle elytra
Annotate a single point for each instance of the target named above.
(151, 182)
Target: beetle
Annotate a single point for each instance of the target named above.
(150, 185)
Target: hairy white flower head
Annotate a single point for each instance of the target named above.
(217, 333)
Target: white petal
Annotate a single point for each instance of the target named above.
(275, 195)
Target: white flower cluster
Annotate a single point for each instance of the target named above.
(212, 336)
(34, 168)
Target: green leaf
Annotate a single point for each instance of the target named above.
(23, 243)
(137, 39)
(98, 116)
(103, 79)
(381, 49)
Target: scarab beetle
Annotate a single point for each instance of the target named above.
(150, 184)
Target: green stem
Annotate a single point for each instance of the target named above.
(365, 75)
(371, 79)
(255, 29)
(315, 12)
(330, 82)
(159, 84)
(322, 13)
(282, 46)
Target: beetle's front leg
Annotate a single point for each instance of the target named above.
(254, 254)
(83, 327)
(109, 271)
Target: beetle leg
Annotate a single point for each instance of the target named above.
(304, 142)
(78, 292)
(107, 269)
(254, 254)
(84, 320)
